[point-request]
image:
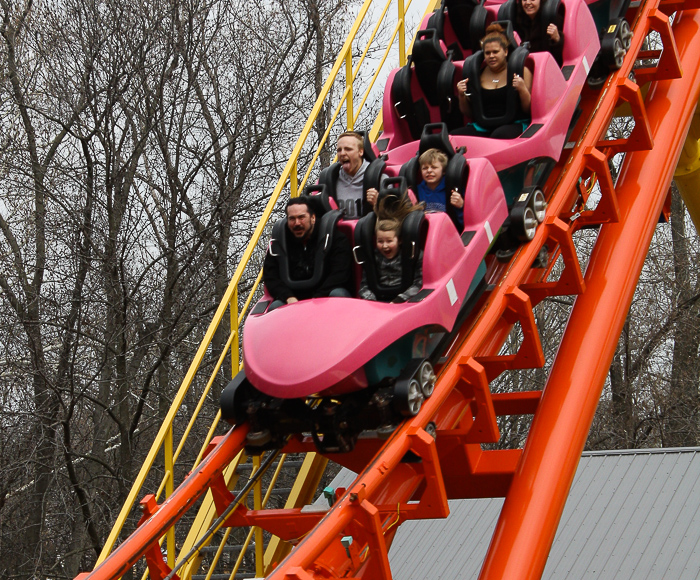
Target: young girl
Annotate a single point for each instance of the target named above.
(387, 255)
(432, 190)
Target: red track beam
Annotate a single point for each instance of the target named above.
(197, 483)
(535, 501)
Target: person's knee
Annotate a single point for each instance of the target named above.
(275, 304)
(469, 131)
(507, 131)
(340, 293)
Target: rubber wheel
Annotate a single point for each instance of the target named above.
(426, 378)
(529, 225)
(408, 397)
(539, 205)
(619, 52)
(259, 438)
(625, 34)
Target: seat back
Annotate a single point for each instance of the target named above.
(472, 71)
(415, 96)
(448, 75)
(323, 202)
(367, 150)
(435, 136)
(427, 56)
(278, 247)
(328, 177)
(508, 10)
(410, 107)
(460, 24)
(456, 173)
(374, 174)
(413, 233)
(551, 9)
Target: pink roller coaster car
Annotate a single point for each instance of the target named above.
(334, 367)
(337, 366)
(555, 94)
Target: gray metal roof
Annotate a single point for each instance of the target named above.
(630, 515)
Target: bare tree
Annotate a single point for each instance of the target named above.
(139, 143)
(652, 400)
(45, 95)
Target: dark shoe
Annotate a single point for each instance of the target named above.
(504, 255)
(542, 258)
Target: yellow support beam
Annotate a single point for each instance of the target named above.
(687, 174)
(169, 488)
(205, 516)
(164, 440)
(302, 493)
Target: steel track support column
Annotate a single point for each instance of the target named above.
(607, 210)
(535, 500)
(195, 485)
(570, 281)
(687, 174)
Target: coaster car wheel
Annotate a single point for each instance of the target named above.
(598, 74)
(539, 205)
(625, 34)
(258, 439)
(524, 223)
(619, 52)
(426, 378)
(408, 397)
(235, 398)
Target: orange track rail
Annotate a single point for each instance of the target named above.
(412, 474)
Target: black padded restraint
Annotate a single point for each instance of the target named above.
(278, 247)
(472, 70)
(411, 244)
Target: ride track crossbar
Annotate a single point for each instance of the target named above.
(414, 473)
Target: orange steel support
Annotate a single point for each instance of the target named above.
(146, 536)
(535, 501)
(491, 473)
(413, 473)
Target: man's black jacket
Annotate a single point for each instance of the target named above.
(337, 267)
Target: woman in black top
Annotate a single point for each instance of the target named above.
(493, 81)
(528, 24)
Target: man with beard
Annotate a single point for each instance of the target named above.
(349, 194)
(302, 246)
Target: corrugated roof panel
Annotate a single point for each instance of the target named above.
(580, 519)
(601, 509)
(452, 548)
(625, 534)
(675, 522)
(630, 515)
(621, 535)
(679, 545)
(648, 517)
